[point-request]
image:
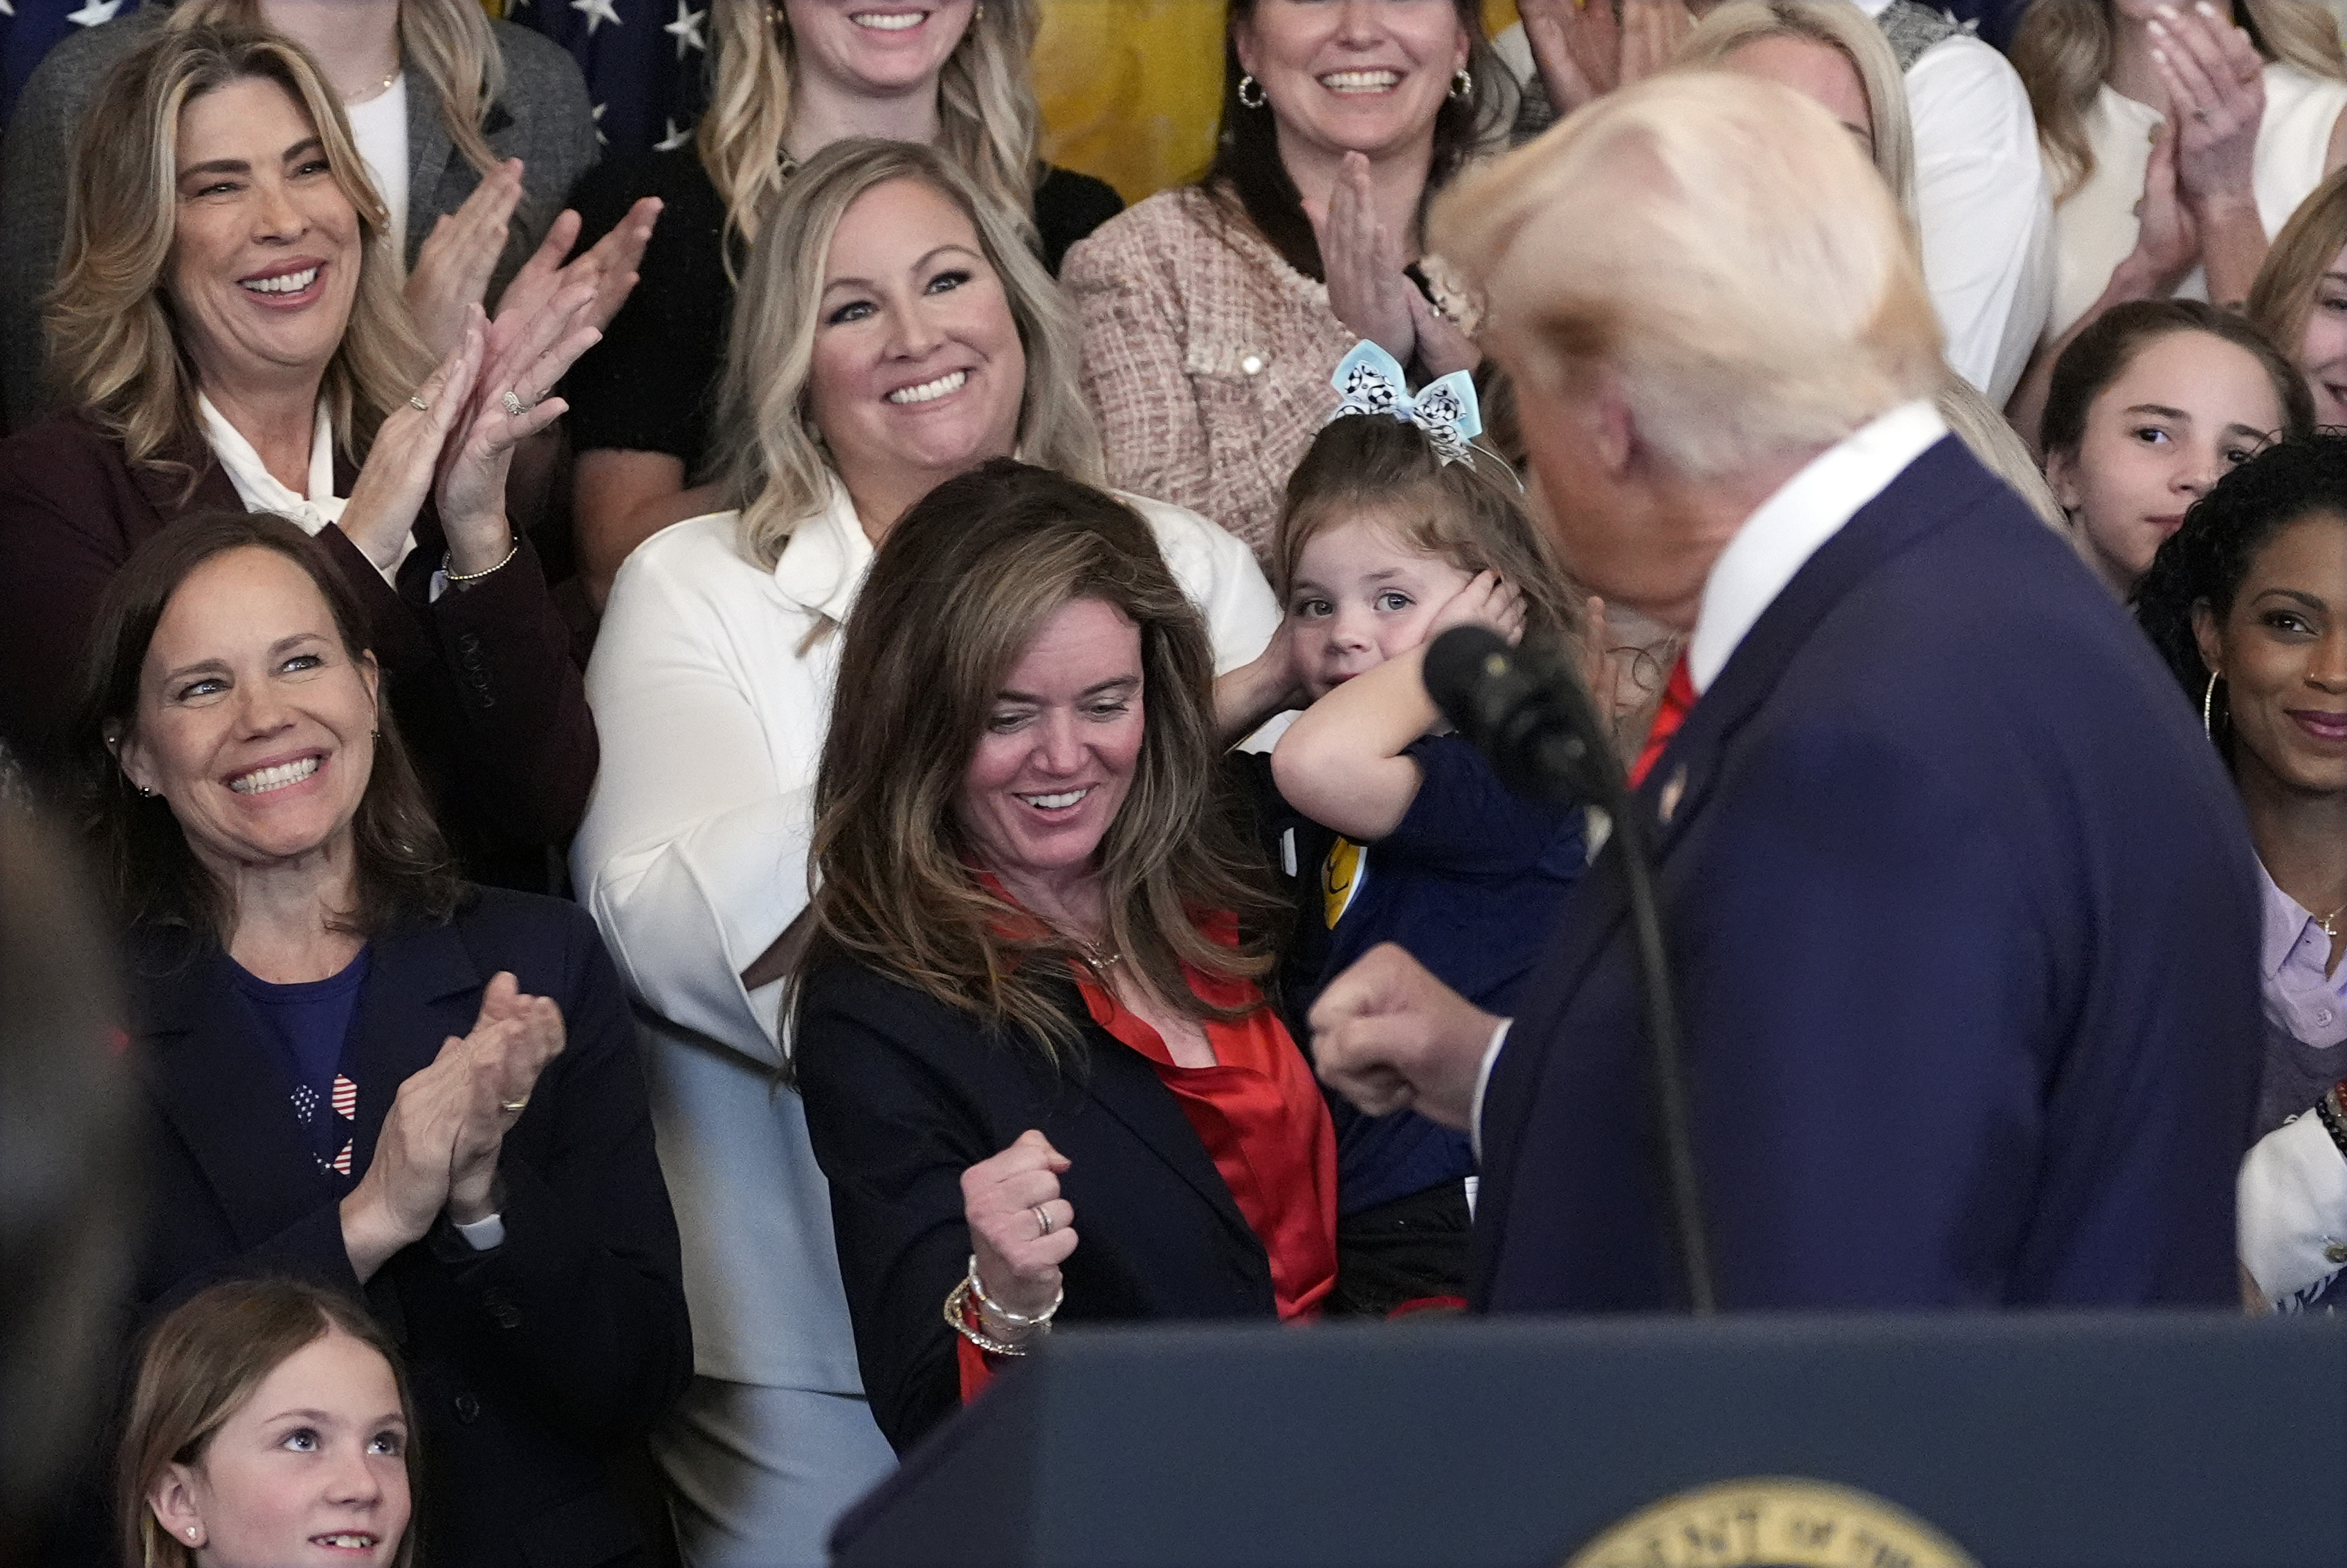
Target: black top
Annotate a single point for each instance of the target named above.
(651, 386)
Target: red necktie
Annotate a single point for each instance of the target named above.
(1678, 696)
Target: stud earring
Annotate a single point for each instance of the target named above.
(193, 1532)
(1462, 86)
(1248, 84)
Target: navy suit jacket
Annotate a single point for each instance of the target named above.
(904, 1093)
(526, 1362)
(1965, 920)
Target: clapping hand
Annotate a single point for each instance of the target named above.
(1368, 289)
(457, 259)
(1584, 51)
(513, 1039)
(2217, 98)
(510, 401)
(2168, 240)
(438, 1147)
(1021, 1229)
(610, 265)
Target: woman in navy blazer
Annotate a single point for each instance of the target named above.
(1038, 1071)
(361, 1071)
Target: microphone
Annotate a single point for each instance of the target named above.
(1525, 710)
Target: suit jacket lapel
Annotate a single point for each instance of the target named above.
(165, 488)
(1122, 1082)
(428, 151)
(210, 1069)
(422, 987)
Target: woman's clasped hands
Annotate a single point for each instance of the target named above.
(1368, 289)
(439, 1145)
(1021, 1231)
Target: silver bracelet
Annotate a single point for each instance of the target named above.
(1016, 1319)
(957, 1313)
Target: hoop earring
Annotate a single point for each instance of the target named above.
(2208, 707)
(1255, 102)
(1462, 86)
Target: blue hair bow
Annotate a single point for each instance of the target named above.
(1370, 381)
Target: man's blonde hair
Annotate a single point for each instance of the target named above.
(1717, 246)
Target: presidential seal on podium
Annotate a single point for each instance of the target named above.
(1771, 1521)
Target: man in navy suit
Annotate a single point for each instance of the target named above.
(1962, 912)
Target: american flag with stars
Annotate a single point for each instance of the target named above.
(646, 61)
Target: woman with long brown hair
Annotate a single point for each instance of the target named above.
(1039, 1074)
(893, 330)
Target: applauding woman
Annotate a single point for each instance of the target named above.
(1213, 315)
(358, 1070)
(229, 319)
(1039, 1073)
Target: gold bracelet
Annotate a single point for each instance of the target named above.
(447, 561)
(958, 1320)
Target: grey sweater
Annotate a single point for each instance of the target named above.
(542, 117)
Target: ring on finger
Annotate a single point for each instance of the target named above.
(516, 408)
(513, 1104)
(415, 401)
(1043, 1222)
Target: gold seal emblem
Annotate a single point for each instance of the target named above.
(1771, 1521)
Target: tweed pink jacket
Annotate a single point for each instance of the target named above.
(1205, 355)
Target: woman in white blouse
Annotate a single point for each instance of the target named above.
(2177, 140)
(901, 333)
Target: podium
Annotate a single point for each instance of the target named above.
(2156, 1440)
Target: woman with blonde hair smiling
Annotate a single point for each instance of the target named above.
(789, 77)
(1828, 50)
(231, 328)
(2300, 299)
(471, 129)
(893, 330)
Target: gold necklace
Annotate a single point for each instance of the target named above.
(2329, 923)
(381, 87)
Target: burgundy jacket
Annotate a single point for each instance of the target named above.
(481, 682)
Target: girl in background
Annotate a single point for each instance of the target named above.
(1392, 828)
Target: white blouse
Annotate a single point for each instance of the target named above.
(712, 684)
(2095, 228)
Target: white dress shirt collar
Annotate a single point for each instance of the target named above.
(1778, 538)
(259, 489)
(823, 562)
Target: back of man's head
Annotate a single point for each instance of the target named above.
(1719, 252)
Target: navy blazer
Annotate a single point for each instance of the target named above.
(904, 1093)
(1964, 918)
(528, 1362)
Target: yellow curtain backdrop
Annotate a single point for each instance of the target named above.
(1129, 88)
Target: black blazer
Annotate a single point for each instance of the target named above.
(526, 1362)
(1965, 924)
(904, 1093)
